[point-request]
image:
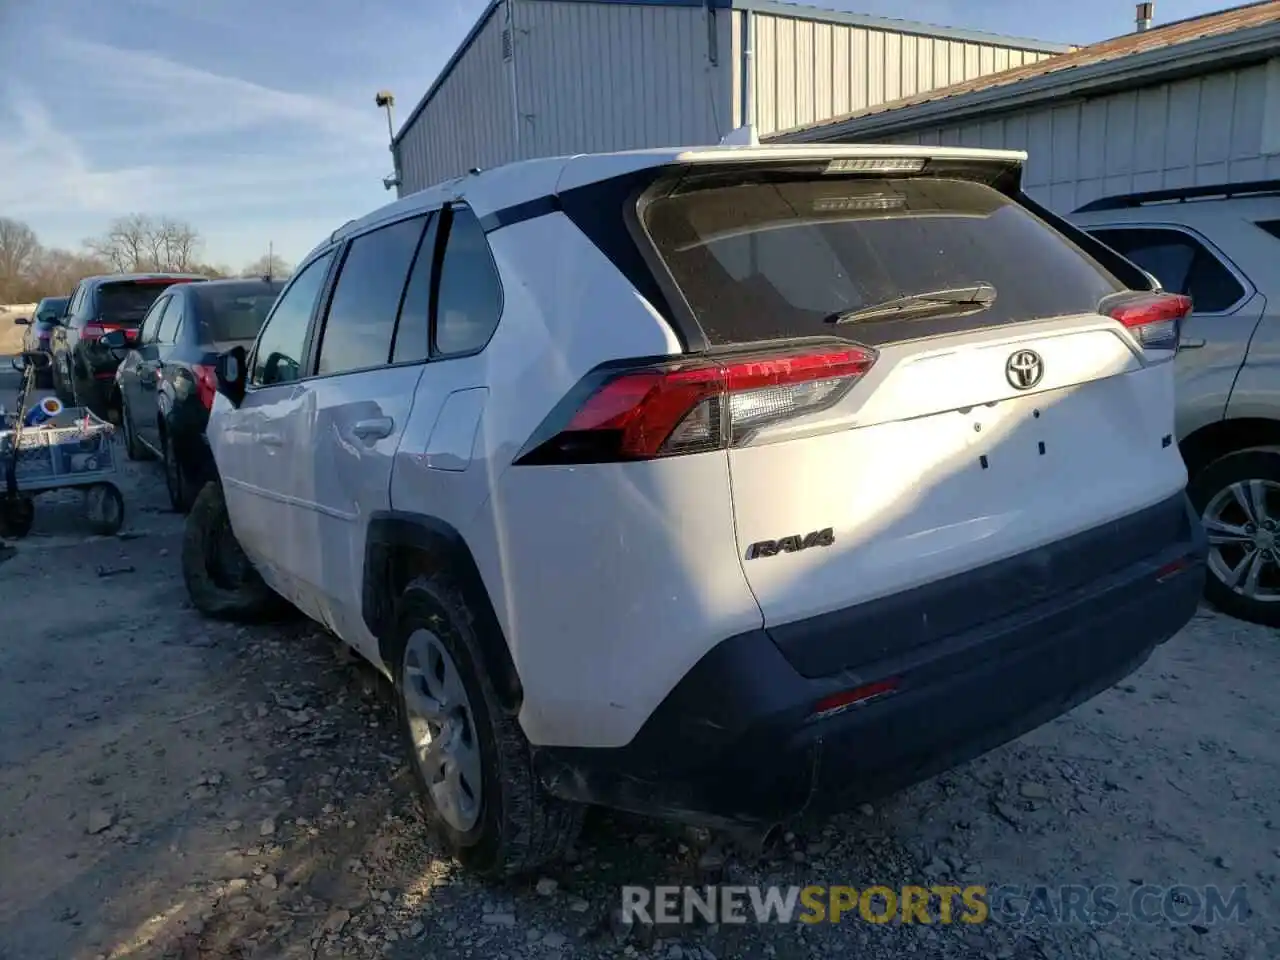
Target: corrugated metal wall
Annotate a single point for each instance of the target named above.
(1207, 129)
(602, 77)
(589, 78)
(468, 123)
(808, 71)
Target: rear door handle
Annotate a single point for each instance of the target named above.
(376, 428)
(1191, 344)
(271, 439)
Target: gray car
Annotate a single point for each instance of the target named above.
(1220, 245)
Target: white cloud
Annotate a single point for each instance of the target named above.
(185, 100)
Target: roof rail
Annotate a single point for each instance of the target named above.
(1181, 194)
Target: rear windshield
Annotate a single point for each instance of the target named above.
(772, 260)
(127, 301)
(235, 312)
(50, 310)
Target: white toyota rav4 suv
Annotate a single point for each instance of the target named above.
(716, 484)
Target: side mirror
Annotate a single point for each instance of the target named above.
(21, 321)
(114, 340)
(230, 369)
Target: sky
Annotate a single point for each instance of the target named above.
(254, 120)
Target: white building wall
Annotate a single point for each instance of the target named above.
(808, 71)
(602, 77)
(468, 123)
(1214, 128)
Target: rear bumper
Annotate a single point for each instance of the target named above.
(735, 743)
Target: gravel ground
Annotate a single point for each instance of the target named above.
(172, 788)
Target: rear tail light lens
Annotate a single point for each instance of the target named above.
(206, 384)
(93, 331)
(693, 405)
(1155, 319)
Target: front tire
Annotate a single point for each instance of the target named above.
(222, 583)
(1238, 499)
(472, 762)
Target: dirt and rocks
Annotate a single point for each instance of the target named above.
(173, 788)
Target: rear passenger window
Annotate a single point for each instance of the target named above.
(366, 298)
(413, 336)
(1180, 262)
(469, 302)
(171, 322)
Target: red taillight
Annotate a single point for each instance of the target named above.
(695, 405)
(1155, 318)
(93, 331)
(206, 384)
(845, 699)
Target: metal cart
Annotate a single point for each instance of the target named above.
(74, 451)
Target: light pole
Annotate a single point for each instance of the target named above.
(386, 100)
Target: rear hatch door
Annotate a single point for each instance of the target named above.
(990, 423)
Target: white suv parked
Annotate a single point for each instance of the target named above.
(720, 484)
(1220, 246)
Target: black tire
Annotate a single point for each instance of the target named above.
(1259, 463)
(106, 515)
(176, 479)
(214, 591)
(61, 388)
(17, 516)
(133, 447)
(520, 826)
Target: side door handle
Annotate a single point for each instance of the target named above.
(375, 428)
(1190, 345)
(270, 439)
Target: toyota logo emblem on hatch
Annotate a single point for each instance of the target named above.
(1024, 369)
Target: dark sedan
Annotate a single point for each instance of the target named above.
(84, 370)
(166, 381)
(47, 315)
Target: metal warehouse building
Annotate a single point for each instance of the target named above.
(537, 78)
(1193, 102)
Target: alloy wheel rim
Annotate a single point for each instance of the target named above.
(1244, 538)
(442, 728)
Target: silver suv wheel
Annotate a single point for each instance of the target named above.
(442, 727)
(1244, 541)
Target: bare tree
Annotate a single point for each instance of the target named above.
(19, 247)
(269, 265)
(138, 242)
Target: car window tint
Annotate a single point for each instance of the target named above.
(413, 328)
(151, 322)
(1180, 262)
(277, 357)
(469, 303)
(366, 298)
(783, 257)
(171, 322)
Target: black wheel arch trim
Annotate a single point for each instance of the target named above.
(431, 543)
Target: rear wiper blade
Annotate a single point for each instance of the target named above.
(953, 301)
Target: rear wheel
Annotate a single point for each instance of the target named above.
(220, 579)
(470, 758)
(1238, 499)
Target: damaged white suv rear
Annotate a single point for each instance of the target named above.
(720, 485)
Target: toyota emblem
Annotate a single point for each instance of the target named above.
(1024, 369)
